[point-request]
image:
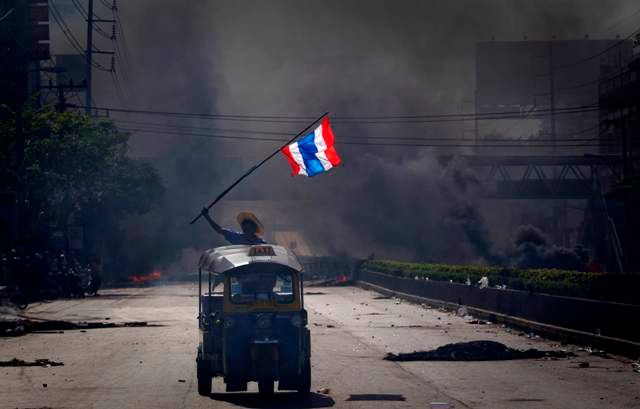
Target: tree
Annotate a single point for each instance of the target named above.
(76, 167)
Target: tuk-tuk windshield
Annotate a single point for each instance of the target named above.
(258, 286)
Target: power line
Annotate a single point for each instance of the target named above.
(121, 31)
(424, 118)
(80, 9)
(71, 38)
(150, 126)
(594, 56)
(432, 145)
(627, 17)
(7, 14)
(118, 88)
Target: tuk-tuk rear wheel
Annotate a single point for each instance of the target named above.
(265, 387)
(304, 386)
(204, 376)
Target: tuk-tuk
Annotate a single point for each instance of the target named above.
(252, 321)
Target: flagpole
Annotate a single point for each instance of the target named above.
(253, 168)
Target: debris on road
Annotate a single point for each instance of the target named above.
(324, 391)
(314, 293)
(37, 362)
(476, 351)
(583, 365)
(479, 322)
(324, 325)
(597, 352)
(18, 327)
(462, 311)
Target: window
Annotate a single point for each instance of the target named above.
(249, 287)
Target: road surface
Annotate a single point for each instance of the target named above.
(352, 329)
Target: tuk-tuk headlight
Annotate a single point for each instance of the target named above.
(296, 321)
(228, 322)
(263, 321)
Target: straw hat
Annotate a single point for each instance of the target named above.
(242, 216)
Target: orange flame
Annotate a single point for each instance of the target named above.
(141, 279)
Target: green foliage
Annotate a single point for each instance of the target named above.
(609, 286)
(76, 171)
(75, 163)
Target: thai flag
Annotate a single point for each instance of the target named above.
(314, 153)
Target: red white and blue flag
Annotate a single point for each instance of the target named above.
(313, 153)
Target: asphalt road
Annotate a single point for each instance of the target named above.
(352, 329)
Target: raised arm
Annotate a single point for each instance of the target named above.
(214, 225)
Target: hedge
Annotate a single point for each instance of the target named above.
(600, 286)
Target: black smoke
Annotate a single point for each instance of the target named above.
(290, 57)
(531, 250)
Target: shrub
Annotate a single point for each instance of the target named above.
(601, 286)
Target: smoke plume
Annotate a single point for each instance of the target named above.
(301, 58)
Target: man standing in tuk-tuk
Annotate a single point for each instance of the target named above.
(249, 223)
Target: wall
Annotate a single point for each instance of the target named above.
(597, 317)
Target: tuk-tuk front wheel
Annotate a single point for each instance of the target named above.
(265, 387)
(204, 376)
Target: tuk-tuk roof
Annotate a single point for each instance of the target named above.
(221, 259)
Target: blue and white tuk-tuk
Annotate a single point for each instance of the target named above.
(253, 325)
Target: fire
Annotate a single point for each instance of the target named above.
(145, 278)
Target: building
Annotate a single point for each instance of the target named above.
(620, 110)
(620, 136)
(533, 82)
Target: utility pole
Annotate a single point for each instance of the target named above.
(91, 20)
(625, 205)
(559, 209)
(60, 88)
(552, 98)
(89, 57)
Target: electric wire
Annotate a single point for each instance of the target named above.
(80, 8)
(620, 21)
(149, 126)
(424, 118)
(390, 144)
(71, 39)
(598, 54)
(118, 86)
(121, 60)
(7, 14)
(121, 31)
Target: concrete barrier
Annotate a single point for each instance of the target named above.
(599, 322)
